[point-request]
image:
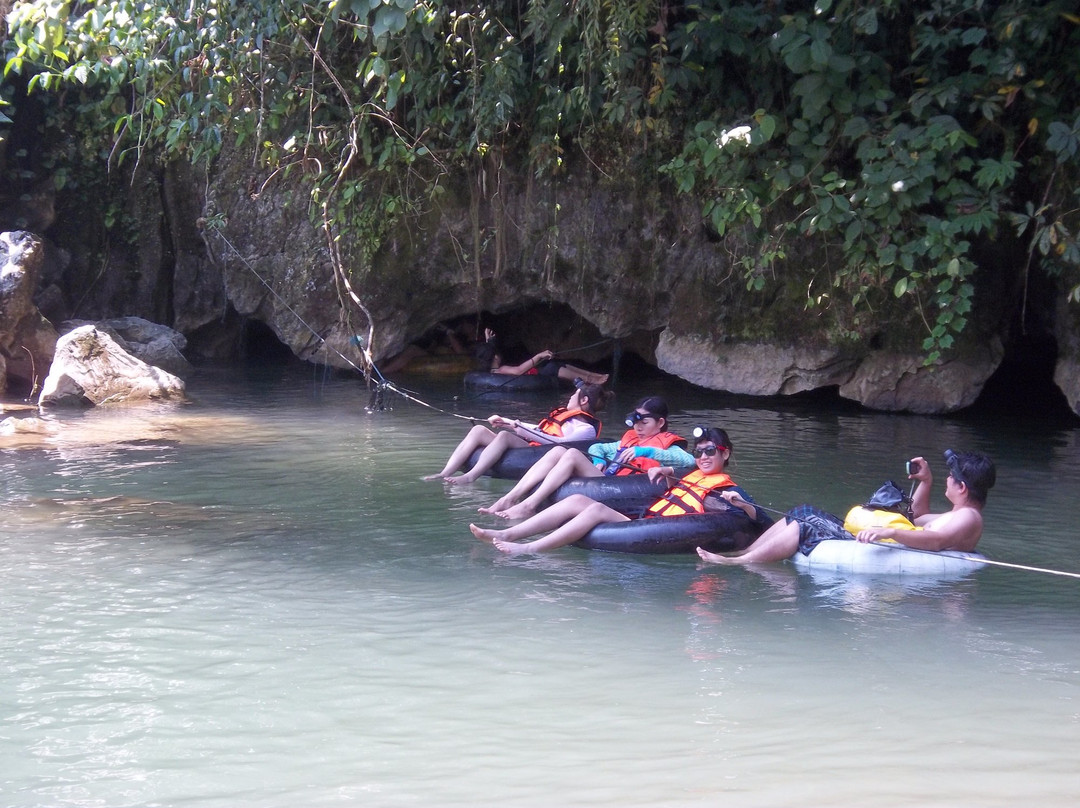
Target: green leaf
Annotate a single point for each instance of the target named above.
(820, 52)
(866, 22)
(388, 20)
(767, 126)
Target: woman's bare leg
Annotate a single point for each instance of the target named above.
(569, 520)
(478, 436)
(571, 372)
(491, 455)
(529, 480)
(777, 543)
(572, 464)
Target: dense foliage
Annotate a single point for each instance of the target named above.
(900, 133)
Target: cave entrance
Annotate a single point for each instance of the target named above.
(525, 330)
(235, 338)
(260, 345)
(1023, 385)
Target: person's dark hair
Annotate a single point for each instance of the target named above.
(597, 395)
(975, 470)
(485, 355)
(718, 436)
(654, 405)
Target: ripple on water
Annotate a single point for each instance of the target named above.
(269, 607)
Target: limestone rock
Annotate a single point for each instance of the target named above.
(756, 369)
(90, 368)
(876, 379)
(27, 340)
(154, 344)
(26, 426)
(894, 382)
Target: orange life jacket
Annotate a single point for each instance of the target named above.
(688, 494)
(661, 440)
(553, 424)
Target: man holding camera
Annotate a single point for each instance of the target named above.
(971, 475)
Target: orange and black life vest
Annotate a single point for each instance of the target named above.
(553, 424)
(661, 440)
(688, 494)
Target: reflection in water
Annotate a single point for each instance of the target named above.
(255, 599)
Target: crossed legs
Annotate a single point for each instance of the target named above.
(568, 520)
(546, 475)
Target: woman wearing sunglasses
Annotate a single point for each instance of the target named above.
(647, 444)
(576, 421)
(707, 488)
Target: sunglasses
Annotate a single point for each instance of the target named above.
(635, 416)
(708, 451)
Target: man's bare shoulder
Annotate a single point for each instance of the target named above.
(963, 526)
(963, 513)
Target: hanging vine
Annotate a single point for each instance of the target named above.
(897, 138)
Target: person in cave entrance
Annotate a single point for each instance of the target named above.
(489, 359)
(442, 340)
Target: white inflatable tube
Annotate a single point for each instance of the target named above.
(852, 557)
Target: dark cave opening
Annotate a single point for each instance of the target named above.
(1023, 384)
(259, 344)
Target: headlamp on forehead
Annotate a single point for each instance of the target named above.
(635, 416)
(717, 436)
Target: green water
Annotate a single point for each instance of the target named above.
(255, 600)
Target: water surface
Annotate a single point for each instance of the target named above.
(254, 599)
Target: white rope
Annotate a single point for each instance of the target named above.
(977, 560)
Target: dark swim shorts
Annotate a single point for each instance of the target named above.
(550, 368)
(815, 526)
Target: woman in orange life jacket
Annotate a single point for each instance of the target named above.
(707, 488)
(645, 445)
(576, 421)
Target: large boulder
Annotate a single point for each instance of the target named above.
(90, 368)
(154, 344)
(754, 369)
(903, 382)
(27, 340)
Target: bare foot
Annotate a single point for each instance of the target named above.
(511, 548)
(497, 506)
(483, 533)
(600, 378)
(714, 558)
(461, 478)
(523, 510)
(438, 476)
